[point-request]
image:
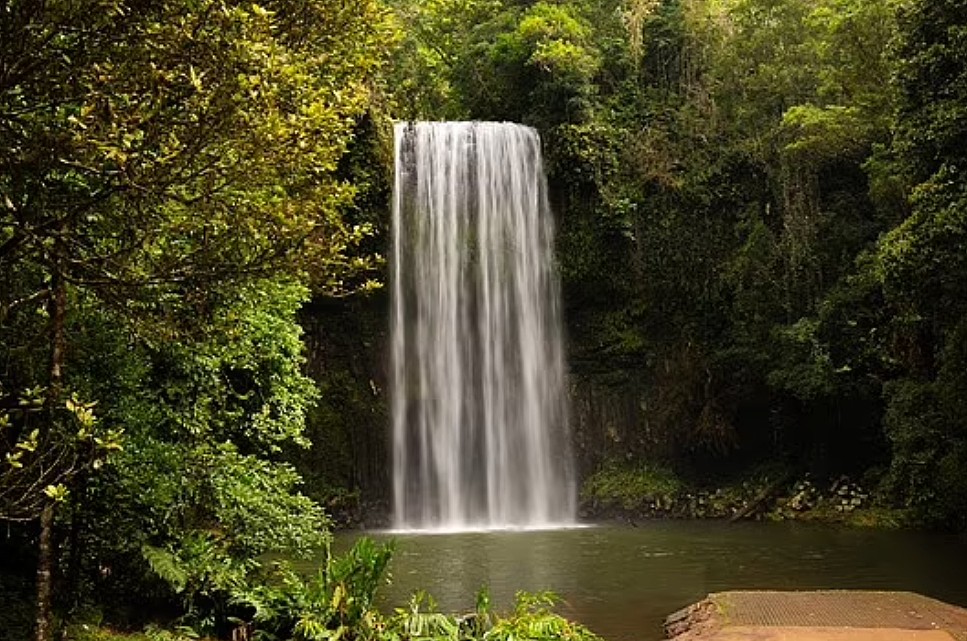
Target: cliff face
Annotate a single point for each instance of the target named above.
(346, 354)
(348, 357)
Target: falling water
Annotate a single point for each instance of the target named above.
(479, 416)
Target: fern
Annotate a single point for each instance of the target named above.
(167, 566)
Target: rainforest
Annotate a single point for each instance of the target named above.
(760, 223)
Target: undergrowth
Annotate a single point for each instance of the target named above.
(652, 491)
(337, 604)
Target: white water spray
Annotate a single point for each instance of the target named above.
(480, 436)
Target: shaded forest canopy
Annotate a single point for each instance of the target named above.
(762, 216)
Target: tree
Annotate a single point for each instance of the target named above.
(154, 152)
(922, 267)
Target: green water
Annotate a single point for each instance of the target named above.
(622, 581)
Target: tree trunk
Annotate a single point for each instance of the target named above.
(57, 310)
(45, 566)
(72, 584)
(762, 499)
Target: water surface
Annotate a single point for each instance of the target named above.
(622, 581)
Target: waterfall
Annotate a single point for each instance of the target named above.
(480, 437)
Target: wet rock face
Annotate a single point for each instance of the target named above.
(693, 621)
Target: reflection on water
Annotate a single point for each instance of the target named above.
(623, 581)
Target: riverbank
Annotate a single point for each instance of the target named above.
(622, 582)
(634, 494)
(830, 615)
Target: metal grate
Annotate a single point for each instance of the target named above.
(846, 608)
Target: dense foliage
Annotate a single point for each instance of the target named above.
(171, 188)
(762, 224)
(762, 211)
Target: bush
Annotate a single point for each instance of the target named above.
(647, 488)
(338, 604)
(533, 619)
